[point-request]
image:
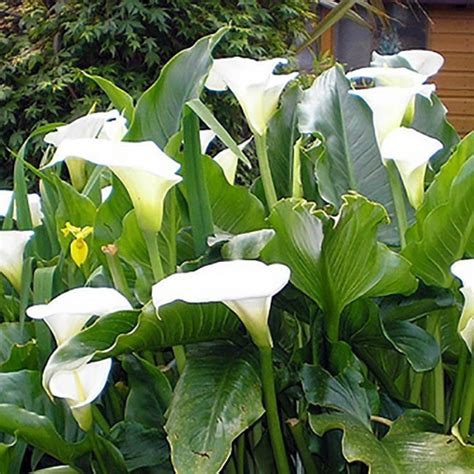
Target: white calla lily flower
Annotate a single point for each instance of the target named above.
(112, 124)
(254, 85)
(205, 137)
(80, 387)
(464, 270)
(12, 248)
(105, 192)
(245, 286)
(423, 61)
(388, 105)
(34, 202)
(107, 125)
(67, 314)
(411, 152)
(146, 172)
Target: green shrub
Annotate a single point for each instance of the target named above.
(44, 45)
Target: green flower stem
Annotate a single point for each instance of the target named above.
(398, 199)
(116, 271)
(154, 254)
(97, 451)
(458, 384)
(180, 356)
(100, 420)
(265, 171)
(200, 213)
(296, 428)
(468, 401)
(296, 184)
(241, 454)
(416, 384)
(273, 420)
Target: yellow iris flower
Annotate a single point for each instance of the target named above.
(79, 247)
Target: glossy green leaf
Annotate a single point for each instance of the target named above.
(133, 331)
(150, 392)
(120, 99)
(352, 160)
(430, 119)
(26, 411)
(326, 258)
(445, 221)
(142, 447)
(410, 446)
(159, 109)
(234, 208)
(281, 137)
(218, 396)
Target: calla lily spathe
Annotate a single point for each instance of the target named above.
(245, 286)
(388, 105)
(389, 76)
(34, 202)
(67, 313)
(464, 270)
(254, 85)
(423, 61)
(411, 152)
(12, 248)
(146, 172)
(106, 125)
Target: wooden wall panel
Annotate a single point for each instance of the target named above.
(452, 34)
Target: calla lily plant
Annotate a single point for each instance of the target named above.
(34, 202)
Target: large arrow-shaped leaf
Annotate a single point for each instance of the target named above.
(412, 445)
(159, 110)
(217, 397)
(131, 331)
(352, 159)
(337, 262)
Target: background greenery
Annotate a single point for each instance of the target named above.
(44, 45)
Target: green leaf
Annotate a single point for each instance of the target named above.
(445, 221)
(326, 259)
(282, 135)
(142, 447)
(26, 411)
(159, 109)
(430, 119)
(343, 392)
(17, 347)
(210, 120)
(410, 446)
(217, 398)
(234, 208)
(352, 160)
(120, 99)
(150, 392)
(133, 331)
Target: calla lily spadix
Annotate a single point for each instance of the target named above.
(411, 152)
(80, 387)
(67, 313)
(34, 202)
(464, 270)
(245, 286)
(12, 247)
(254, 85)
(422, 61)
(107, 125)
(146, 172)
